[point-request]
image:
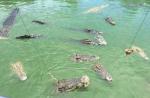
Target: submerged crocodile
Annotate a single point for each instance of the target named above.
(82, 57)
(92, 31)
(102, 72)
(29, 36)
(39, 22)
(87, 30)
(110, 21)
(96, 9)
(87, 42)
(8, 23)
(99, 40)
(66, 85)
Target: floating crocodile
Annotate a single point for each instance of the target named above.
(8, 23)
(135, 49)
(82, 57)
(102, 72)
(66, 85)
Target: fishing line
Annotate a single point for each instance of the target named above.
(117, 58)
(25, 27)
(139, 28)
(146, 14)
(20, 47)
(134, 36)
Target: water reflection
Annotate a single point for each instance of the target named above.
(135, 7)
(135, 3)
(68, 1)
(11, 3)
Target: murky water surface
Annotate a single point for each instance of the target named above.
(65, 21)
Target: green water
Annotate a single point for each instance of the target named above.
(131, 75)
